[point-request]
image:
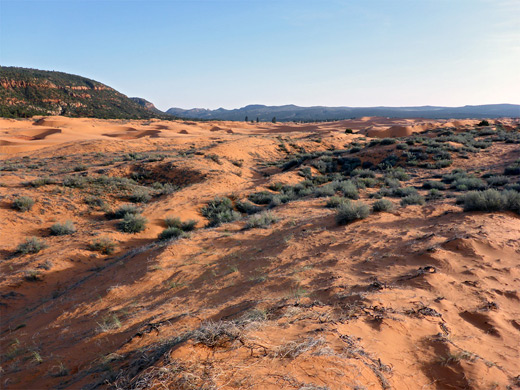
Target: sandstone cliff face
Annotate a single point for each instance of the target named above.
(29, 92)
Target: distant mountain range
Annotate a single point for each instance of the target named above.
(28, 92)
(320, 113)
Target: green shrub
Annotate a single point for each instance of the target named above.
(431, 184)
(219, 210)
(132, 223)
(512, 200)
(434, 193)
(497, 181)
(74, 182)
(388, 141)
(104, 245)
(382, 205)
(122, 211)
(262, 220)
(324, 191)
(94, 201)
(174, 222)
(412, 199)
(403, 192)
(247, 207)
(336, 201)
(347, 188)
(23, 203)
(513, 169)
(363, 173)
(63, 229)
(262, 197)
(350, 212)
(41, 182)
(488, 200)
(170, 233)
(140, 195)
(469, 183)
(31, 245)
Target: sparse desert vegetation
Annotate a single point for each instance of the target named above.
(218, 255)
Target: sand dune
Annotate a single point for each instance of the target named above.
(423, 297)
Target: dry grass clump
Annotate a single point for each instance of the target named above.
(23, 203)
(132, 223)
(350, 212)
(382, 205)
(31, 245)
(262, 220)
(294, 349)
(63, 229)
(104, 245)
(220, 210)
(217, 334)
(412, 199)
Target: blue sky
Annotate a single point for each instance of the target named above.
(218, 53)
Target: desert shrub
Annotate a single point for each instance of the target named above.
(43, 181)
(363, 173)
(171, 233)
(132, 223)
(276, 186)
(262, 197)
(483, 123)
(434, 193)
(454, 175)
(488, 200)
(382, 205)
(325, 190)
(397, 173)
(262, 220)
(104, 245)
(79, 168)
(63, 229)
(402, 192)
(31, 245)
(513, 169)
(247, 207)
(497, 181)
(140, 195)
(412, 199)
(174, 222)
(219, 210)
(75, 181)
(336, 201)
(94, 201)
(391, 182)
(164, 188)
(512, 200)
(347, 188)
(468, 183)
(23, 203)
(429, 184)
(351, 211)
(122, 211)
(388, 141)
(348, 131)
(365, 182)
(402, 147)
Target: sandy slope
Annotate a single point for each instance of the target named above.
(425, 297)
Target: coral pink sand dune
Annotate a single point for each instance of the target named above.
(424, 296)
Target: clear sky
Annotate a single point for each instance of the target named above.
(230, 53)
